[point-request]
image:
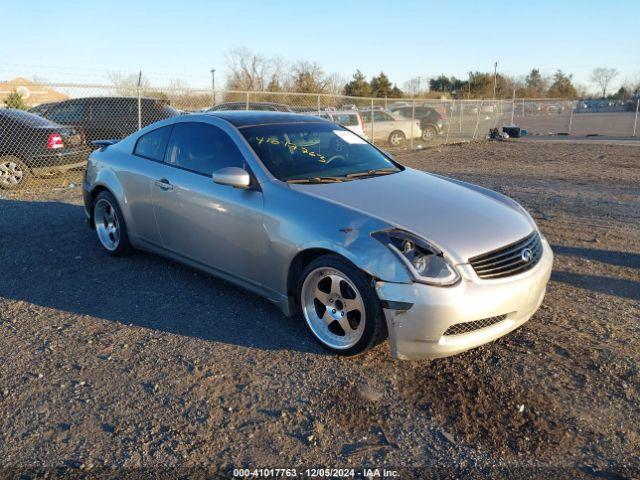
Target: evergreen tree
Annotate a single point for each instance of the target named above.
(15, 100)
(562, 86)
(381, 86)
(358, 87)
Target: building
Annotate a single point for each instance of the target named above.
(32, 93)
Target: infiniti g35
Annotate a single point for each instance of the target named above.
(311, 216)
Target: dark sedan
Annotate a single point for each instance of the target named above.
(34, 146)
(262, 106)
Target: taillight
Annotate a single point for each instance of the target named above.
(364, 127)
(55, 141)
(84, 136)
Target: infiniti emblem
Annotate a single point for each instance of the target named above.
(526, 255)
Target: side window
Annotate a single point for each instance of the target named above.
(202, 148)
(152, 145)
(67, 113)
(381, 117)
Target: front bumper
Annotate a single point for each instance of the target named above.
(419, 331)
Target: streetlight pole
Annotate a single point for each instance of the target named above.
(495, 79)
(213, 87)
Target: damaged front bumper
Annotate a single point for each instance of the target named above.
(418, 315)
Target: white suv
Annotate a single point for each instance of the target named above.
(350, 119)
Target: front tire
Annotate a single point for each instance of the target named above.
(14, 173)
(110, 225)
(339, 306)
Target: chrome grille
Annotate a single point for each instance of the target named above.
(466, 327)
(509, 260)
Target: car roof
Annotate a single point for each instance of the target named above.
(245, 118)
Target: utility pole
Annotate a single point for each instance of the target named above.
(495, 79)
(213, 87)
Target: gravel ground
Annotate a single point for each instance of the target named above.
(113, 366)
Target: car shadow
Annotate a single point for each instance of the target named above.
(52, 259)
(624, 259)
(619, 287)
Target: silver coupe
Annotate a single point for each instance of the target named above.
(329, 228)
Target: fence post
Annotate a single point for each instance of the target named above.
(635, 121)
(318, 104)
(449, 116)
(513, 105)
(247, 102)
(461, 102)
(571, 118)
(372, 121)
(139, 101)
(475, 131)
(413, 120)
(523, 108)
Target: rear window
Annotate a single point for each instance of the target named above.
(152, 145)
(25, 118)
(67, 113)
(346, 119)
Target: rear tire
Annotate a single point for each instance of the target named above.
(14, 173)
(429, 133)
(339, 306)
(396, 138)
(110, 225)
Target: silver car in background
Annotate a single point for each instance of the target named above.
(384, 127)
(329, 228)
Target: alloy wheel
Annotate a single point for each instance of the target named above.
(333, 308)
(107, 225)
(11, 174)
(396, 139)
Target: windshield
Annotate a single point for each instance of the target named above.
(323, 150)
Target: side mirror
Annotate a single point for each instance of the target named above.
(233, 176)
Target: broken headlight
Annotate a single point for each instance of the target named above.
(425, 262)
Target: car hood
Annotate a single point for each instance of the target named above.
(462, 221)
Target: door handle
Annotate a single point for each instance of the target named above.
(164, 184)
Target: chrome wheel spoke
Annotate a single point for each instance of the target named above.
(346, 327)
(328, 319)
(322, 297)
(351, 305)
(335, 284)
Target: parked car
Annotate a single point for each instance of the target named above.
(41, 108)
(326, 226)
(431, 121)
(387, 128)
(264, 106)
(34, 146)
(107, 117)
(351, 119)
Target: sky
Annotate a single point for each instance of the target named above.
(79, 41)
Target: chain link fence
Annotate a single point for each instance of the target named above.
(45, 141)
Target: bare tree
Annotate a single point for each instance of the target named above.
(416, 86)
(307, 77)
(127, 84)
(334, 84)
(602, 77)
(252, 71)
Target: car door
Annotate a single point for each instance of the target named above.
(218, 226)
(137, 175)
(384, 124)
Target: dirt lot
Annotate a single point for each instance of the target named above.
(140, 362)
